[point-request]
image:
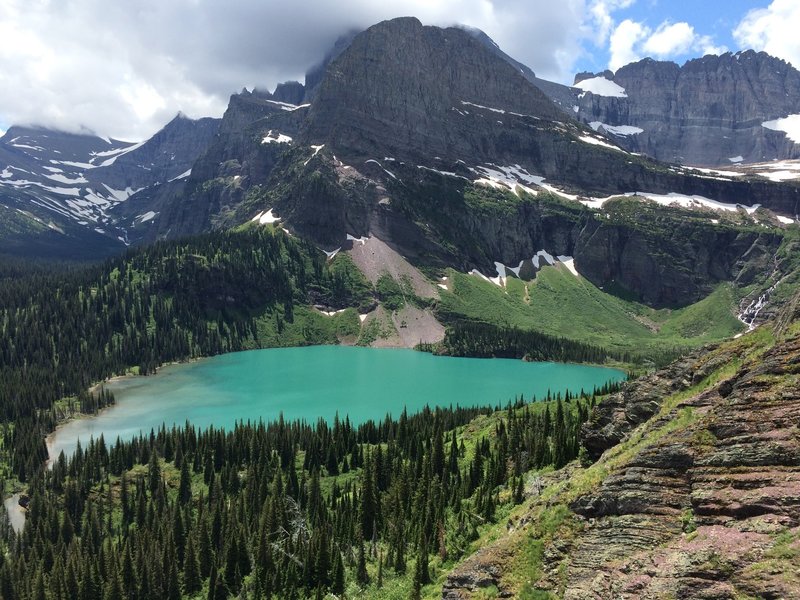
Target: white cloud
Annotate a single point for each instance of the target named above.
(670, 39)
(602, 22)
(125, 68)
(773, 29)
(706, 45)
(627, 36)
(632, 41)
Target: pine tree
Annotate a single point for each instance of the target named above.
(38, 588)
(337, 587)
(369, 500)
(154, 474)
(192, 582)
(185, 488)
(361, 570)
(417, 582)
(232, 576)
(216, 587)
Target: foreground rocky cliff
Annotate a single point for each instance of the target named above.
(696, 492)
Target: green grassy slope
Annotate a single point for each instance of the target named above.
(560, 304)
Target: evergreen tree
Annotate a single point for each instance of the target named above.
(185, 488)
(192, 581)
(361, 570)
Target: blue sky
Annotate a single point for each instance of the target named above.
(124, 69)
(715, 20)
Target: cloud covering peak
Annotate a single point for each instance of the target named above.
(123, 69)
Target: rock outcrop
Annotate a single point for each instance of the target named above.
(710, 111)
(696, 493)
(701, 512)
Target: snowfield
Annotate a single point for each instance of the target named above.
(789, 125)
(539, 260)
(266, 218)
(623, 130)
(276, 138)
(600, 86)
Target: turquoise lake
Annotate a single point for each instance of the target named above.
(317, 382)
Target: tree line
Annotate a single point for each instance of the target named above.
(63, 330)
(279, 510)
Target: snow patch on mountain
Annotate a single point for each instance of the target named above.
(779, 170)
(540, 259)
(115, 154)
(385, 170)
(276, 138)
(361, 240)
(600, 86)
(266, 218)
(501, 111)
(778, 176)
(27, 147)
(543, 254)
(598, 142)
(288, 107)
(445, 173)
(59, 178)
(495, 110)
(316, 151)
(623, 130)
(675, 199)
(183, 175)
(716, 173)
(507, 177)
(74, 163)
(569, 263)
(510, 177)
(789, 125)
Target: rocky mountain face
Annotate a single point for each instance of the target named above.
(695, 492)
(433, 141)
(255, 131)
(438, 143)
(66, 186)
(397, 86)
(713, 111)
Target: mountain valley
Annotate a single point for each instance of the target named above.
(421, 190)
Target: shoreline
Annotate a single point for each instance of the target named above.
(96, 387)
(49, 439)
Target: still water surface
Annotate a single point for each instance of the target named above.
(317, 382)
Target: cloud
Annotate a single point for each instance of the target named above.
(773, 29)
(632, 41)
(627, 36)
(670, 39)
(602, 21)
(125, 68)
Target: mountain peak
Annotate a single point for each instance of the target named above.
(400, 22)
(400, 80)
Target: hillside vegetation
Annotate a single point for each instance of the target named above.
(558, 303)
